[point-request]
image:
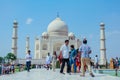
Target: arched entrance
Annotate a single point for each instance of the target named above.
(56, 47)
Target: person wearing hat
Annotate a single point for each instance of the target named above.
(28, 58)
(85, 50)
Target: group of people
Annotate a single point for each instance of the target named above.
(116, 63)
(75, 59)
(51, 61)
(7, 68)
(72, 57)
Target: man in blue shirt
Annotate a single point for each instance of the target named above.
(85, 59)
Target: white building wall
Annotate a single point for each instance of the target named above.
(52, 43)
(33, 61)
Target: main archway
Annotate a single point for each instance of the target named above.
(56, 47)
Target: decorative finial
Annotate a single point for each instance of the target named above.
(84, 38)
(57, 14)
(15, 21)
(27, 37)
(102, 24)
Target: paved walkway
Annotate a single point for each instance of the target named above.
(43, 74)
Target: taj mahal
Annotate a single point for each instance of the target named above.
(57, 33)
(51, 40)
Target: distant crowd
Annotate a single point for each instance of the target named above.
(7, 68)
(115, 63)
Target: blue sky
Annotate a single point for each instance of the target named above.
(82, 17)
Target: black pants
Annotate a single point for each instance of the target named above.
(28, 64)
(63, 65)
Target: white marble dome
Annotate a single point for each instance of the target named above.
(71, 36)
(57, 27)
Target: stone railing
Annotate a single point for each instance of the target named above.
(33, 61)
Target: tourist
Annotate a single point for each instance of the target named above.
(54, 59)
(28, 60)
(96, 62)
(116, 63)
(64, 50)
(78, 62)
(85, 59)
(111, 63)
(36, 66)
(72, 58)
(12, 68)
(20, 67)
(92, 62)
(2, 67)
(60, 59)
(119, 63)
(48, 61)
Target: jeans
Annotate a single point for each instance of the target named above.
(72, 61)
(28, 64)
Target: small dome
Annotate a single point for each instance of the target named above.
(57, 27)
(44, 34)
(71, 34)
(102, 24)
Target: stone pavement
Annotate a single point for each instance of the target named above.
(43, 74)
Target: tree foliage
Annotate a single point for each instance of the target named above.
(10, 56)
(1, 59)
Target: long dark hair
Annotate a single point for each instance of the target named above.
(54, 53)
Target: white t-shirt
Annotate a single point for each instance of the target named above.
(28, 57)
(65, 51)
(96, 59)
(48, 59)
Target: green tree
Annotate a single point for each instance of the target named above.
(10, 56)
(1, 59)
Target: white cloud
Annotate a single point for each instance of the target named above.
(29, 21)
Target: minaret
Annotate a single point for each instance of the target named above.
(27, 44)
(103, 59)
(14, 38)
